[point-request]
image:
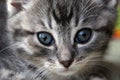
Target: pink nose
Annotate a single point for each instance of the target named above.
(67, 63)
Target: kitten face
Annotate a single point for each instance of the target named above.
(63, 36)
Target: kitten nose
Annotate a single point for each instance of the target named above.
(66, 63)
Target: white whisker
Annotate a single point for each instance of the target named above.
(8, 47)
(86, 7)
(92, 8)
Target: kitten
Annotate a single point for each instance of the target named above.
(65, 39)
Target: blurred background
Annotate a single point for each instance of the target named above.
(114, 47)
(117, 29)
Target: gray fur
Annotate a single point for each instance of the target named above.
(8, 60)
(63, 19)
(5, 55)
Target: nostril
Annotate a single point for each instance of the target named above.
(66, 63)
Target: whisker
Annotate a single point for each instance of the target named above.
(40, 73)
(94, 61)
(86, 7)
(101, 65)
(8, 47)
(90, 16)
(87, 12)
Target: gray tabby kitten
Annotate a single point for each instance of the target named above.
(65, 39)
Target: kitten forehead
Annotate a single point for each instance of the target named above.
(56, 14)
(63, 11)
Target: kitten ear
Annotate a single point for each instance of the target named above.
(15, 6)
(111, 3)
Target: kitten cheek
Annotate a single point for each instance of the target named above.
(25, 46)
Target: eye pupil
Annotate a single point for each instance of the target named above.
(45, 38)
(83, 36)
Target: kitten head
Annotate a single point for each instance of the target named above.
(63, 36)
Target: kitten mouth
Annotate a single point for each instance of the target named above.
(60, 69)
(66, 72)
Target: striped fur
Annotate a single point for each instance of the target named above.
(63, 19)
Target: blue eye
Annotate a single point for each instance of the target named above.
(45, 38)
(83, 36)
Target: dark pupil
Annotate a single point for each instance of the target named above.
(45, 38)
(83, 36)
